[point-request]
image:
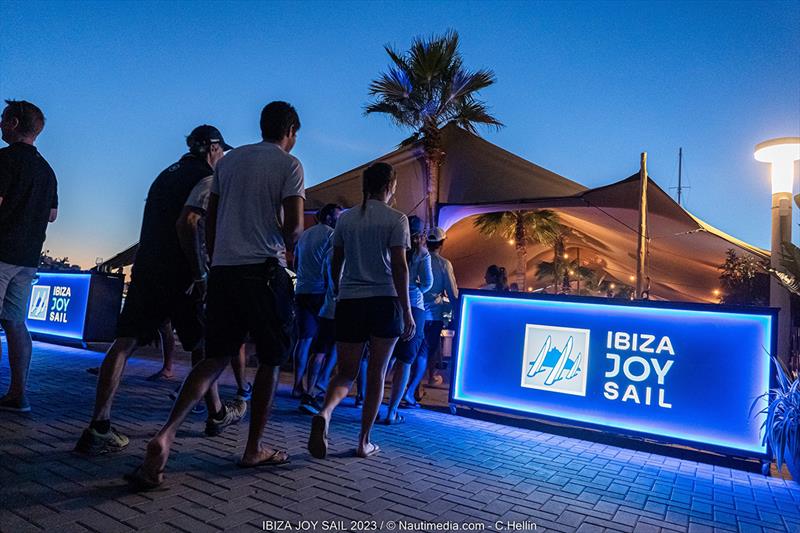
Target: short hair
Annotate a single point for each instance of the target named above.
(276, 120)
(30, 117)
(434, 245)
(326, 211)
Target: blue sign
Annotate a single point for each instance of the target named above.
(680, 373)
(57, 305)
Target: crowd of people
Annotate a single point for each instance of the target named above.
(370, 300)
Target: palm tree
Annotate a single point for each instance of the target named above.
(563, 273)
(521, 228)
(426, 88)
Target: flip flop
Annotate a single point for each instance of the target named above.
(274, 459)
(374, 451)
(398, 419)
(140, 483)
(318, 439)
(405, 404)
(159, 376)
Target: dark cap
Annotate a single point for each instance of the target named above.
(415, 225)
(204, 136)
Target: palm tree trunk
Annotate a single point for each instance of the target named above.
(434, 155)
(558, 254)
(522, 251)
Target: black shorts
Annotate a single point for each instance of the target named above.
(325, 338)
(154, 298)
(406, 351)
(255, 300)
(361, 318)
(308, 306)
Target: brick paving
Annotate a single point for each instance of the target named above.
(435, 468)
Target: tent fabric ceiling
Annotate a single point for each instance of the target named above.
(479, 177)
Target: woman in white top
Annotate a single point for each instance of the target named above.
(369, 250)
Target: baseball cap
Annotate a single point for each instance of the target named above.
(205, 135)
(415, 225)
(437, 234)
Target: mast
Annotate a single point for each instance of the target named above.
(680, 172)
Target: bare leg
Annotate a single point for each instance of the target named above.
(264, 387)
(380, 351)
(167, 347)
(314, 369)
(19, 357)
(402, 371)
(300, 365)
(110, 375)
(362, 380)
(238, 364)
(419, 368)
(325, 375)
(213, 403)
(350, 354)
(202, 376)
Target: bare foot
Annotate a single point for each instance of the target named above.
(161, 374)
(367, 450)
(264, 457)
(155, 460)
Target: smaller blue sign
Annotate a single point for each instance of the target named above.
(57, 306)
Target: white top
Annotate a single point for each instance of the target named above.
(444, 284)
(252, 181)
(367, 238)
(328, 309)
(420, 278)
(312, 248)
(198, 197)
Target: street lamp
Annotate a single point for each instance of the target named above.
(781, 153)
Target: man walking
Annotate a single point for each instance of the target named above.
(28, 202)
(165, 284)
(310, 254)
(255, 212)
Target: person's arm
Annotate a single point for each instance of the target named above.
(425, 274)
(400, 279)
(52, 216)
(450, 284)
(292, 220)
(188, 228)
(211, 223)
(54, 205)
(337, 262)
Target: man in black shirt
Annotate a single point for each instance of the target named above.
(164, 285)
(28, 202)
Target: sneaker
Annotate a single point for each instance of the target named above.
(95, 443)
(310, 405)
(244, 395)
(234, 411)
(199, 409)
(15, 405)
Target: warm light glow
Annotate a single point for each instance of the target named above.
(566, 256)
(716, 292)
(632, 278)
(511, 241)
(613, 285)
(530, 289)
(781, 153)
(571, 272)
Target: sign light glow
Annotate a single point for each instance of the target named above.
(680, 373)
(57, 305)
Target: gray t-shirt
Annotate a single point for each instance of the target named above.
(312, 247)
(367, 238)
(251, 182)
(328, 309)
(444, 286)
(198, 198)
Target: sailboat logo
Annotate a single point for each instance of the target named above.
(555, 359)
(40, 296)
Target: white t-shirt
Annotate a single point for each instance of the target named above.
(198, 198)
(444, 284)
(252, 181)
(367, 238)
(312, 247)
(328, 309)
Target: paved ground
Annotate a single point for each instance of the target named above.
(435, 468)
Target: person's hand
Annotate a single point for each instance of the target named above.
(409, 326)
(198, 288)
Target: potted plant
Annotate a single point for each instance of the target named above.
(782, 425)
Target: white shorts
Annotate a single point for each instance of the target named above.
(15, 289)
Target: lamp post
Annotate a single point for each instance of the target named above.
(781, 153)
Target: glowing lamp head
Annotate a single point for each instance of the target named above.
(781, 153)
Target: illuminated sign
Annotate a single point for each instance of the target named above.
(682, 373)
(57, 305)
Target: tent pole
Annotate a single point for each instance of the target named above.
(642, 245)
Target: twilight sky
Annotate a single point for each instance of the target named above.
(583, 88)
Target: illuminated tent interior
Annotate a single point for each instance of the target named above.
(478, 177)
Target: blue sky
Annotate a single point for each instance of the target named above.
(583, 88)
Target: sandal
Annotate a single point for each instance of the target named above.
(277, 457)
(140, 483)
(373, 451)
(405, 404)
(398, 419)
(318, 439)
